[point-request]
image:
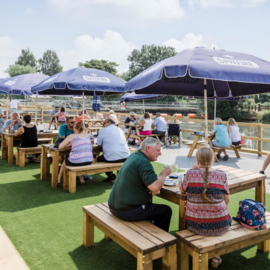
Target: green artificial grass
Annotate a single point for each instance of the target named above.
(45, 224)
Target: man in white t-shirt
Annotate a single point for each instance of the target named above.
(114, 146)
(15, 107)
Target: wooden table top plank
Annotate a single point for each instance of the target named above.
(134, 226)
(96, 165)
(121, 230)
(52, 134)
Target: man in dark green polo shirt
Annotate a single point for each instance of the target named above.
(136, 183)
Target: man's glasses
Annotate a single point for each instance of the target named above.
(72, 122)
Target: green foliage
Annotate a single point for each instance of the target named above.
(101, 65)
(146, 57)
(264, 117)
(224, 109)
(264, 98)
(26, 58)
(49, 63)
(257, 99)
(124, 76)
(15, 70)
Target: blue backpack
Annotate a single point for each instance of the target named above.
(251, 214)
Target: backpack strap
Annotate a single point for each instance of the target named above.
(250, 227)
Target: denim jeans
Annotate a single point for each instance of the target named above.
(160, 214)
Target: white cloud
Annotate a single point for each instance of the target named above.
(112, 47)
(139, 12)
(229, 3)
(188, 42)
(29, 11)
(9, 52)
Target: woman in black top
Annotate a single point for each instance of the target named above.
(28, 132)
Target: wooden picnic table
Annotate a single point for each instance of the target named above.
(198, 144)
(239, 180)
(93, 128)
(7, 142)
(128, 135)
(47, 149)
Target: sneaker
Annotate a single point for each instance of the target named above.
(261, 172)
(226, 157)
(218, 156)
(110, 178)
(87, 177)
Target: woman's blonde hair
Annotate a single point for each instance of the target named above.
(205, 157)
(231, 122)
(79, 127)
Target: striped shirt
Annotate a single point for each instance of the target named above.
(81, 150)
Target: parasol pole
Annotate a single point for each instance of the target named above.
(205, 112)
(215, 110)
(36, 110)
(83, 106)
(7, 107)
(143, 106)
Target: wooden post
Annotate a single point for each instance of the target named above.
(41, 115)
(169, 261)
(183, 257)
(72, 182)
(182, 215)
(88, 231)
(43, 165)
(10, 150)
(22, 158)
(55, 161)
(259, 142)
(144, 262)
(259, 107)
(3, 147)
(200, 261)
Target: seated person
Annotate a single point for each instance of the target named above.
(2, 123)
(113, 117)
(114, 146)
(1, 110)
(67, 128)
(81, 153)
(29, 134)
(207, 198)
(61, 116)
(55, 113)
(137, 183)
(160, 124)
(81, 115)
(234, 133)
(146, 123)
(222, 138)
(129, 119)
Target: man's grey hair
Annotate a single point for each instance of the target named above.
(150, 141)
(111, 121)
(219, 120)
(158, 113)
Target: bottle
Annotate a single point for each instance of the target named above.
(11, 129)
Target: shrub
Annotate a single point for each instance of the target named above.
(264, 117)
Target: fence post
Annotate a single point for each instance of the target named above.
(259, 142)
(41, 116)
(259, 107)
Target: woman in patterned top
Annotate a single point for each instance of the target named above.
(81, 153)
(207, 198)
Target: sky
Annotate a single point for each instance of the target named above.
(81, 30)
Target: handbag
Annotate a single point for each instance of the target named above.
(251, 214)
(242, 140)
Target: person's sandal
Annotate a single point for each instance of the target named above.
(82, 182)
(226, 157)
(216, 264)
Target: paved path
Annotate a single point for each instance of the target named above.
(174, 156)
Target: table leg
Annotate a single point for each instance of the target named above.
(3, 147)
(43, 164)
(260, 197)
(10, 150)
(50, 123)
(128, 133)
(182, 214)
(55, 162)
(193, 146)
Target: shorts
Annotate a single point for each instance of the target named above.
(69, 163)
(236, 143)
(217, 144)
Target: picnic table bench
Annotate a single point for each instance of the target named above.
(142, 239)
(202, 248)
(141, 137)
(9, 256)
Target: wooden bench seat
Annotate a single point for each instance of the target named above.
(9, 256)
(70, 172)
(142, 239)
(202, 248)
(235, 149)
(22, 151)
(44, 141)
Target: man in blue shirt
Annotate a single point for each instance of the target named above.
(55, 113)
(67, 128)
(160, 125)
(222, 138)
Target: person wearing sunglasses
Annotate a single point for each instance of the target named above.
(67, 128)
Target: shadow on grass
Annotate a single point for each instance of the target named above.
(106, 255)
(29, 194)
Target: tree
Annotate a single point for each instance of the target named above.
(257, 99)
(26, 58)
(148, 56)
(15, 70)
(49, 63)
(264, 98)
(101, 65)
(224, 109)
